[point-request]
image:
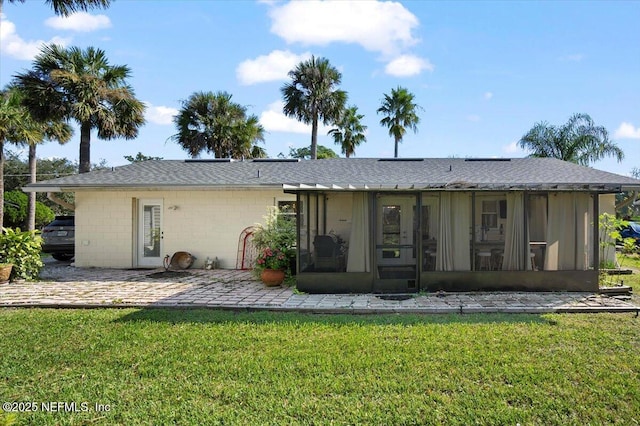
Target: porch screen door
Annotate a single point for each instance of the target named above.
(150, 235)
(396, 236)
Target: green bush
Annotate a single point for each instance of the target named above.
(22, 249)
(15, 210)
(277, 235)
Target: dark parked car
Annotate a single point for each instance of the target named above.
(59, 237)
(632, 230)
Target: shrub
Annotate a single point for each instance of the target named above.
(15, 211)
(22, 249)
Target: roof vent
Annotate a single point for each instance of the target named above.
(487, 159)
(400, 159)
(209, 160)
(276, 160)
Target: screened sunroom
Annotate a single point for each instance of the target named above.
(456, 239)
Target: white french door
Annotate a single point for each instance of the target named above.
(150, 234)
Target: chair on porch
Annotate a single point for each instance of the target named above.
(327, 253)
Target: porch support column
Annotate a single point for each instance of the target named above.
(596, 231)
(527, 244)
(473, 230)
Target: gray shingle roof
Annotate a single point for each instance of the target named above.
(354, 173)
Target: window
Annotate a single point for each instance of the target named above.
(288, 209)
(490, 214)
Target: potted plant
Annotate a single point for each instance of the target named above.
(273, 264)
(275, 241)
(5, 272)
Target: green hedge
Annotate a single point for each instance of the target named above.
(22, 249)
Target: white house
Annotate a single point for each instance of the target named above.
(364, 225)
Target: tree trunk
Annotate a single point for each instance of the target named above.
(31, 210)
(85, 148)
(314, 137)
(395, 150)
(1, 185)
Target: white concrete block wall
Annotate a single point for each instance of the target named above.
(104, 230)
(204, 223)
(339, 212)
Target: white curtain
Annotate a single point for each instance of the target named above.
(358, 259)
(537, 216)
(582, 202)
(567, 232)
(516, 240)
(453, 235)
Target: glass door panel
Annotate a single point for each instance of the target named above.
(150, 234)
(396, 231)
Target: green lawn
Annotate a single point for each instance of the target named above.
(206, 367)
(627, 261)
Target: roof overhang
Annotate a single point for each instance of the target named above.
(59, 188)
(458, 186)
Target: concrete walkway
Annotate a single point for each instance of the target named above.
(68, 287)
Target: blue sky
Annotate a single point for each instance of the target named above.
(483, 72)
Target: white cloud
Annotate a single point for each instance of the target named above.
(473, 118)
(408, 65)
(627, 131)
(384, 27)
(274, 120)
(488, 95)
(79, 21)
(271, 67)
(160, 114)
(512, 148)
(11, 44)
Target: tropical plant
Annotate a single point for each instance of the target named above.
(67, 7)
(313, 96)
(609, 227)
(305, 153)
(81, 85)
(275, 241)
(578, 141)
(211, 122)
(400, 112)
(22, 249)
(15, 127)
(349, 132)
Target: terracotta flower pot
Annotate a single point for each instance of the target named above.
(5, 272)
(272, 277)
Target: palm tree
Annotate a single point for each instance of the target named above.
(52, 131)
(578, 141)
(14, 128)
(312, 95)
(23, 129)
(349, 132)
(211, 122)
(67, 7)
(400, 113)
(81, 85)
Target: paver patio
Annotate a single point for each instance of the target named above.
(69, 287)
